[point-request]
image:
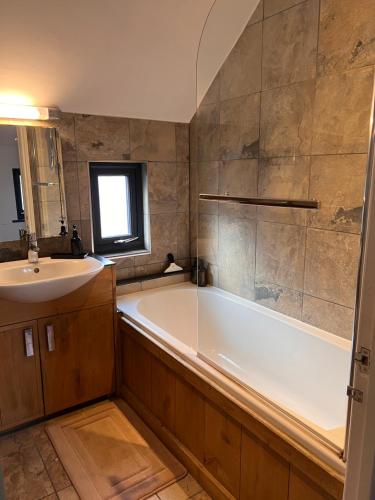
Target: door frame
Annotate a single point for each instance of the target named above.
(360, 442)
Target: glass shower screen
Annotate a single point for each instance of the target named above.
(276, 211)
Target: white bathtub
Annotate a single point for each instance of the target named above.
(289, 374)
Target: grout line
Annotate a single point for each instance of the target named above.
(285, 10)
(44, 464)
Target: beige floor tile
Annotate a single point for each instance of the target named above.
(52, 463)
(25, 475)
(183, 489)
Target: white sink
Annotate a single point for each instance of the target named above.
(49, 279)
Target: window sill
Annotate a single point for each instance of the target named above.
(135, 253)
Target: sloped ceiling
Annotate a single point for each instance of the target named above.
(132, 58)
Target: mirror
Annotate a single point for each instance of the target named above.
(32, 195)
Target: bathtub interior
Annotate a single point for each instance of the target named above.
(299, 369)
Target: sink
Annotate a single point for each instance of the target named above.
(49, 279)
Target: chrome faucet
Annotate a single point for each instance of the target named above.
(32, 248)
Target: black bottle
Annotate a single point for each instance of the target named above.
(194, 271)
(76, 243)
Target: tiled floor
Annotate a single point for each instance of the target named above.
(32, 471)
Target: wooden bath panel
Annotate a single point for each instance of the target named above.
(231, 453)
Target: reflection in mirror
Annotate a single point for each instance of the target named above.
(12, 216)
(32, 193)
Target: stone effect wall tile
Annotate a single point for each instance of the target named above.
(257, 14)
(182, 142)
(208, 136)
(208, 183)
(328, 316)
(290, 45)
(347, 35)
(152, 140)
(241, 72)
(286, 120)
(72, 192)
(162, 187)
(272, 7)
(284, 178)
(331, 266)
(208, 231)
(238, 178)
(102, 138)
(280, 254)
(239, 127)
(342, 112)
(66, 126)
(279, 298)
(338, 182)
(236, 256)
(315, 101)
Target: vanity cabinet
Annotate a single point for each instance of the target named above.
(77, 356)
(57, 354)
(21, 396)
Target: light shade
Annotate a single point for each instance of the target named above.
(21, 112)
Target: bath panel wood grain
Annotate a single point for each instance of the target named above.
(163, 393)
(264, 474)
(267, 457)
(300, 488)
(137, 380)
(190, 414)
(21, 396)
(222, 448)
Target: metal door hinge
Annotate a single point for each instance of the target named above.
(362, 357)
(355, 394)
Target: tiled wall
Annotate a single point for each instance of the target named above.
(288, 116)
(165, 146)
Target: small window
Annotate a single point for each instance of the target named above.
(117, 207)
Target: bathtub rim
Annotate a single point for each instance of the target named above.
(290, 430)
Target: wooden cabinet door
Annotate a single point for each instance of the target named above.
(77, 357)
(21, 397)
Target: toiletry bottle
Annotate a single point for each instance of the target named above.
(194, 271)
(202, 275)
(76, 243)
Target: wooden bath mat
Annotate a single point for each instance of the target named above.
(109, 453)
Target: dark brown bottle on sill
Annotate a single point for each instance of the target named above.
(76, 243)
(202, 276)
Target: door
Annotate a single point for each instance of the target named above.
(21, 397)
(77, 357)
(360, 449)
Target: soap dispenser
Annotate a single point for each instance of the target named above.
(76, 243)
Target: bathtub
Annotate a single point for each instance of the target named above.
(289, 375)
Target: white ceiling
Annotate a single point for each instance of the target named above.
(134, 58)
(131, 58)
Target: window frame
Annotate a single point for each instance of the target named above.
(134, 173)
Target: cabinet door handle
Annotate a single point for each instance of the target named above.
(29, 344)
(50, 338)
